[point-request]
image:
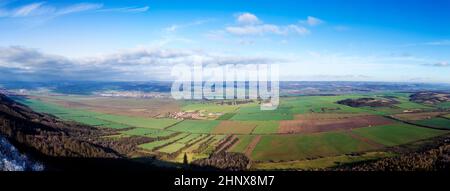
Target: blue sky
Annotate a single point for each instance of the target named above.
(311, 40)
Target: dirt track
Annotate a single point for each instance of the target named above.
(251, 146)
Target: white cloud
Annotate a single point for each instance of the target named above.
(29, 10)
(299, 29)
(267, 29)
(312, 21)
(172, 28)
(249, 24)
(44, 9)
(254, 29)
(79, 8)
(139, 9)
(175, 27)
(127, 9)
(247, 19)
(19, 63)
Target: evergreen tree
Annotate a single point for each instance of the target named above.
(185, 159)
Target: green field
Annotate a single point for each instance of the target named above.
(97, 119)
(320, 163)
(189, 138)
(234, 127)
(138, 121)
(266, 127)
(327, 104)
(298, 147)
(154, 144)
(212, 146)
(190, 150)
(181, 143)
(253, 113)
(444, 105)
(406, 104)
(391, 135)
(71, 114)
(195, 126)
(174, 147)
(114, 125)
(241, 145)
(140, 131)
(437, 122)
(160, 134)
(320, 104)
(226, 116)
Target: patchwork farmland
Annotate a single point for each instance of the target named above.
(305, 132)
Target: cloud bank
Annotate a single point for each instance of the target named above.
(25, 64)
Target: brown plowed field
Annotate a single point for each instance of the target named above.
(120, 106)
(323, 125)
